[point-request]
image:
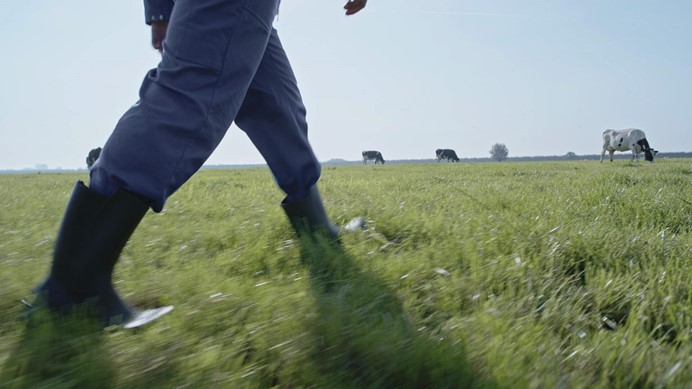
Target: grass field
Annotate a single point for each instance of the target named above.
(523, 275)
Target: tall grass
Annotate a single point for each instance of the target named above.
(529, 275)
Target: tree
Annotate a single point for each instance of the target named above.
(499, 152)
(571, 155)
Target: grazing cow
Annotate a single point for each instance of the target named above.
(93, 156)
(448, 154)
(629, 139)
(372, 155)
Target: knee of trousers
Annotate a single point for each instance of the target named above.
(153, 152)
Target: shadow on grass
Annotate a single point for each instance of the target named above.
(59, 352)
(365, 338)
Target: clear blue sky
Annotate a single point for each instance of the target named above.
(404, 77)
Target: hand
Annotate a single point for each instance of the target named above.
(158, 34)
(353, 6)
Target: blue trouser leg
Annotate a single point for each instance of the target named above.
(273, 116)
(212, 53)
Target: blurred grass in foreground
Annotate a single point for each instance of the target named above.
(550, 274)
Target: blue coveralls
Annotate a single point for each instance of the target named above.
(222, 62)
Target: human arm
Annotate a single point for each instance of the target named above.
(156, 14)
(353, 6)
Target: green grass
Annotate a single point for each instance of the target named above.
(526, 275)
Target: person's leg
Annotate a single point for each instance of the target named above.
(211, 54)
(273, 117)
(94, 230)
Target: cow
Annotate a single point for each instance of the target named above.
(628, 139)
(448, 154)
(370, 155)
(93, 156)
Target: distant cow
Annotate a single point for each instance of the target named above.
(93, 156)
(371, 155)
(448, 154)
(629, 139)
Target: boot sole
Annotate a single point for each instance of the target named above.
(138, 319)
(141, 318)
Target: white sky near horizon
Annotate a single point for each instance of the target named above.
(404, 77)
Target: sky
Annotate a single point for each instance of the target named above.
(405, 77)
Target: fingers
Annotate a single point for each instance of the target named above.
(158, 45)
(353, 6)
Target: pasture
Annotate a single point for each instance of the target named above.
(524, 275)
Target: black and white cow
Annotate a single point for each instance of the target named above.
(628, 139)
(93, 156)
(370, 155)
(448, 154)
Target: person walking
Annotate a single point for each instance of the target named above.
(222, 62)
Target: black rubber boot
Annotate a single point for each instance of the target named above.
(308, 214)
(93, 232)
